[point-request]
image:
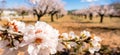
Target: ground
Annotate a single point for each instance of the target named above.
(109, 30)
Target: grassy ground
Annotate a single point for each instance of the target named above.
(109, 30)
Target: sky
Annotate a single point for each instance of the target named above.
(69, 4)
(80, 4)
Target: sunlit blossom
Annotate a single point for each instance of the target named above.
(85, 34)
(17, 26)
(43, 37)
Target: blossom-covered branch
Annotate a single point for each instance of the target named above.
(43, 39)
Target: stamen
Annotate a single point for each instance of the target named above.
(38, 31)
(38, 41)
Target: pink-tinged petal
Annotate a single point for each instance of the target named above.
(32, 49)
(3, 43)
(10, 52)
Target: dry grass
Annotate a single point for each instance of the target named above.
(109, 30)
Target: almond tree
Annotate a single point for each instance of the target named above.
(62, 13)
(81, 12)
(57, 7)
(111, 12)
(2, 5)
(1, 13)
(102, 12)
(22, 10)
(116, 7)
(42, 7)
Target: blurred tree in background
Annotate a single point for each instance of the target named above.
(43, 7)
(2, 6)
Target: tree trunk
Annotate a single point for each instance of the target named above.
(38, 17)
(56, 16)
(91, 18)
(0, 16)
(101, 20)
(22, 16)
(52, 20)
(85, 16)
(110, 16)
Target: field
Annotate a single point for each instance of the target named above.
(109, 30)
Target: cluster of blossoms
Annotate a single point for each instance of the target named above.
(42, 39)
(38, 39)
(83, 42)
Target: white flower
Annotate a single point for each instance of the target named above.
(95, 41)
(72, 35)
(10, 48)
(29, 34)
(17, 26)
(64, 36)
(43, 39)
(73, 44)
(10, 52)
(6, 44)
(95, 44)
(94, 48)
(60, 47)
(85, 34)
(3, 44)
(97, 38)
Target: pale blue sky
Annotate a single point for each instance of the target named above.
(79, 4)
(69, 4)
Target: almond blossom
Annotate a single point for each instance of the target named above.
(95, 41)
(85, 34)
(42, 39)
(16, 26)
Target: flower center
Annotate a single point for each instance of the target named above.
(13, 26)
(38, 40)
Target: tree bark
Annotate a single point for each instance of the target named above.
(52, 20)
(56, 16)
(0, 16)
(39, 17)
(85, 16)
(110, 16)
(90, 18)
(101, 20)
(22, 16)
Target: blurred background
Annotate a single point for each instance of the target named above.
(100, 17)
